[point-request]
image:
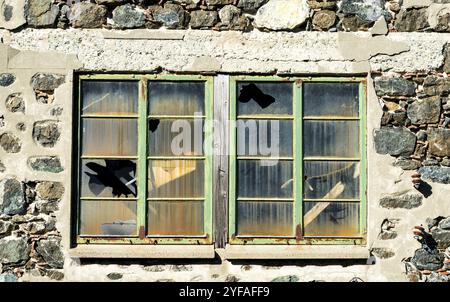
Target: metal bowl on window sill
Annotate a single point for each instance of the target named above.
(119, 228)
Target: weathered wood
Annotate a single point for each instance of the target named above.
(221, 112)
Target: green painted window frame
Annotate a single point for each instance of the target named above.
(299, 238)
(142, 159)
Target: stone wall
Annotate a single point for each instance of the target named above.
(43, 43)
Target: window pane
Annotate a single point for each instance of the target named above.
(331, 138)
(331, 219)
(331, 99)
(176, 98)
(109, 137)
(264, 98)
(109, 217)
(265, 218)
(176, 178)
(109, 97)
(185, 140)
(264, 138)
(265, 178)
(108, 178)
(175, 218)
(325, 179)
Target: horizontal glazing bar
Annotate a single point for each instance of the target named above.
(129, 77)
(265, 117)
(176, 157)
(263, 199)
(176, 236)
(264, 158)
(263, 236)
(175, 77)
(175, 199)
(107, 198)
(324, 158)
(331, 200)
(333, 237)
(262, 79)
(190, 117)
(109, 116)
(332, 79)
(330, 118)
(106, 236)
(107, 157)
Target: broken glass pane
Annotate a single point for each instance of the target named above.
(337, 219)
(175, 137)
(109, 137)
(176, 98)
(264, 98)
(270, 138)
(108, 217)
(265, 218)
(176, 178)
(331, 179)
(331, 99)
(175, 218)
(257, 178)
(331, 138)
(109, 97)
(108, 178)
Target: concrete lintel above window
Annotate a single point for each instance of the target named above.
(143, 251)
(296, 252)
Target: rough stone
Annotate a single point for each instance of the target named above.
(367, 10)
(324, 19)
(353, 23)
(407, 164)
(424, 111)
(8, 277)
(5, 227)
(436, 277)
(50, 250)
(427, 260)
(313, 4)
(46, 164)
(12, 197)
(111, 2)
(13, 249)
(171, 16)
(387, 235)
(55, 275)
(126, 16)
(15, 103)
(7, 79)
(383, 252)
(439, 140)
(380, 27)
(114, 276)
(2, 167)
(445, 162)
(46, 133)
(87, 15)
(403, 200)
(229, 15)
(282, 14)
(422, 135)
(433, 85)
(446, 53)
(445, 224)
(430, 162)
(50, 191)
(219, 2)
(251, 6)
(412, 20)
(394, 86)
(436, 174)
(47, 81)
(200, 18)
(41, 13)
(231, 278)
(12, 14)
(394, 141)
(10, 143)
(289, 278)
(442, 237)
(439, 17)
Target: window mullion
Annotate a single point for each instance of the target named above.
(142, 159)
(298, 156)
(363, 166)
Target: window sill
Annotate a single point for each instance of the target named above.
(143, 251)
(296, 252)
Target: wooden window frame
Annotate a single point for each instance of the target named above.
(299, 238)
(142, 161)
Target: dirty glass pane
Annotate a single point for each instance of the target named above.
(109, 137)
(176, 98)
(264, 138)
(175, 137)
(257, 178)
(175, 218)
(108, 178)
(331, 99)
(109, 97)
(338, 219)
(264, 98)
(331, 138)
(265, 218)
(176, 178)
(331, 179)
(108, 217)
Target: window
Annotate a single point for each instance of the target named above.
(297, 167)
(143, 175)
